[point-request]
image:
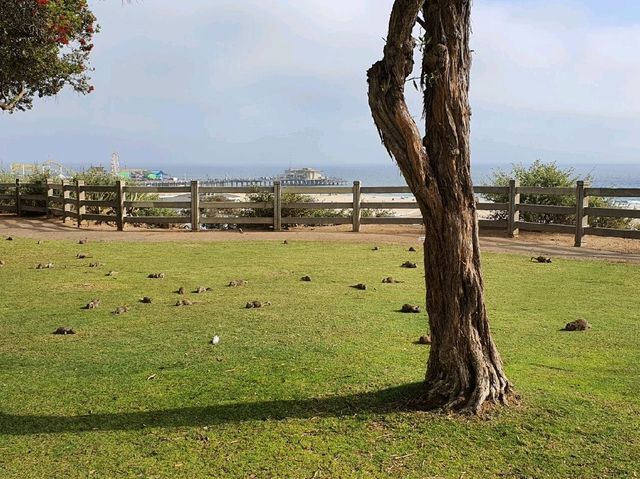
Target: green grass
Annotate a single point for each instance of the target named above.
(310, 386)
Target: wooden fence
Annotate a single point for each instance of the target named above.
(82, 202)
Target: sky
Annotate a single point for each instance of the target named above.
(264, 83)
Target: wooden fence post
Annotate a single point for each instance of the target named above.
(277, 206)
(80, 197)
(18, 209)
(357, 213)
(195, 206)
(120, 205)
(66, 196)
(514, 211)
(47, 205)
(582, 220)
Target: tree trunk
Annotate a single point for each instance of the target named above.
(464, 368)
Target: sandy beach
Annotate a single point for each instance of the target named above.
(367, 198)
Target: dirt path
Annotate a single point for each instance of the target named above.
(530, 244)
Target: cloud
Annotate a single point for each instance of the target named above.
(555, 59)
(274, 80)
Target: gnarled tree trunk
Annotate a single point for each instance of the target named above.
(464, 368)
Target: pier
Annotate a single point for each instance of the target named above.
(249, 182)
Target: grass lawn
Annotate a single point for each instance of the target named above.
(311, 386)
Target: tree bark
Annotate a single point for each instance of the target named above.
(464, 369)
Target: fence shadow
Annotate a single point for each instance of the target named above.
(400, 398)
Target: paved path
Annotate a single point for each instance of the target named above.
(55, 230)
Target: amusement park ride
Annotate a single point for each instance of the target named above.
(52, 167)
(55, 168)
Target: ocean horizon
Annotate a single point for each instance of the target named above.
(601, 175)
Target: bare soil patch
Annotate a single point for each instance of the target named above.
(530, 244)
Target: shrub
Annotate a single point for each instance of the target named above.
(548, 175)
(266, 197)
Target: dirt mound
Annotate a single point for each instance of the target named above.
(577, 325)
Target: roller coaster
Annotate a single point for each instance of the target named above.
(52, 167)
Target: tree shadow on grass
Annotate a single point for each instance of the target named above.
(395, 399)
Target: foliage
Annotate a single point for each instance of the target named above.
(318, 381)
(44, 45)
(34, 185)
(98, 178)
(548, 175)
(376, 213)
(265, 197)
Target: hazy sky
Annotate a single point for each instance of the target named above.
(274, 81)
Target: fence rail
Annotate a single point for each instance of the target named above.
(114, 203)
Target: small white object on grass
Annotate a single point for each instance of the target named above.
(215, 340)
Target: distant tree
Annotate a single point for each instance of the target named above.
(464, 369)
(44, 45)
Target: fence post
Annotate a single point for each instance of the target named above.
(582, 220)
(18, 209)
(195, 206)
(514, 209)
(356, 207)
(119, 205)
(80, 196)
(66, 196)
(48, 199)
(277, 206)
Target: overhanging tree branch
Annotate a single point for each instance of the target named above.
(10, 106)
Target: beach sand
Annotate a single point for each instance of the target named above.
(368, 198)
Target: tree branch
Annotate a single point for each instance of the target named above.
(10, 106)
(398, 131)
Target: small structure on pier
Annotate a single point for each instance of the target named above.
(305, 174)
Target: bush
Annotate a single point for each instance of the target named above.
(34, 184)
(549, 175)
(291, 212)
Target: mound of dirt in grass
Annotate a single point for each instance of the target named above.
(64, 331)
(410, 308)
(577, 325)
(92, 304)
(541, 259)
(257, 304)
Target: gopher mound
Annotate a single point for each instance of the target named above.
(92, 304)
(541, 259)
(120, 310)
(410, 308)
(257, 304)
(577, 325)
(64, 331)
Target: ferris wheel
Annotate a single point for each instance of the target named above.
(115, 163)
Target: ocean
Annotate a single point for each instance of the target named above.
(601, 175)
